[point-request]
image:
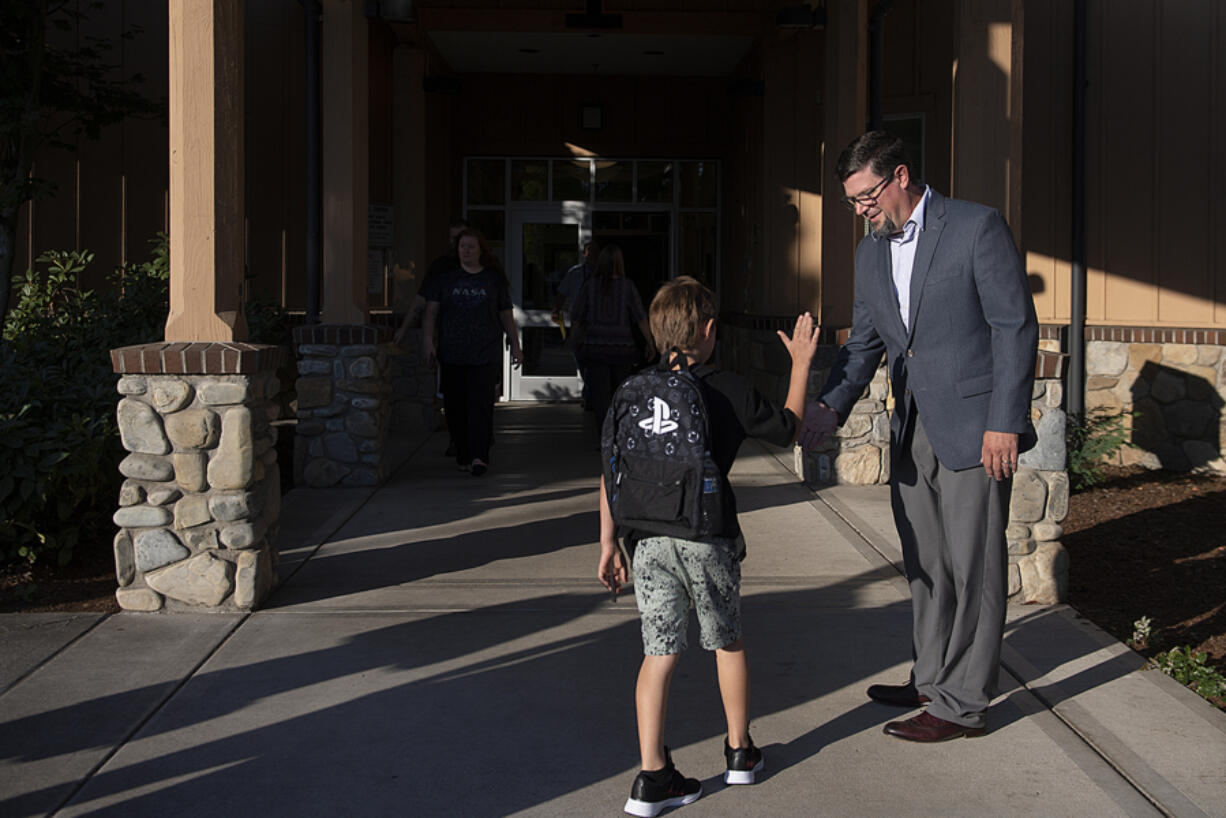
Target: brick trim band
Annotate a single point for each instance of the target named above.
(341, 334)
(1139, 335)
(202, 358)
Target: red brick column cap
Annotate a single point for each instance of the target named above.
(201, 358)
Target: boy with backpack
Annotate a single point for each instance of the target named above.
(668, 443)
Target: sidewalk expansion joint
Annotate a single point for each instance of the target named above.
(53, 655)
(153, 711)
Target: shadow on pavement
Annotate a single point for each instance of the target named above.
(532, 699)
(499, 707)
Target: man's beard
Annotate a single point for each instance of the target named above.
(887, 229)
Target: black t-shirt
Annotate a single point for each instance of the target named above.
(736, 411)
(438, 268)
(470, 331)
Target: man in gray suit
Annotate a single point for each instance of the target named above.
(941, 291)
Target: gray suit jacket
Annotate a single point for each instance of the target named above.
(967, 363)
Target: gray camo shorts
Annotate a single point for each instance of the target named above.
(671, 575)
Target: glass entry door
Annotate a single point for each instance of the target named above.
(542, 244)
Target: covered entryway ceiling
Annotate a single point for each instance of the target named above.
(608, 54)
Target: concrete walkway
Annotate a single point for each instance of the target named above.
(440, 646)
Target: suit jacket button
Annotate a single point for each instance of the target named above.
(907, 392)
(910, 353)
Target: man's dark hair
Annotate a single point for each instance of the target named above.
(879, 151)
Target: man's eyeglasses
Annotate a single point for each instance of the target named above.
(869, 198)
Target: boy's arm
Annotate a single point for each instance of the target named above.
(802, 346)
(612, 570)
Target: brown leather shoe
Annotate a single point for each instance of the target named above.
(927, 727)
(897, 695)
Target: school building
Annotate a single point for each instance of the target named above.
(698, 135)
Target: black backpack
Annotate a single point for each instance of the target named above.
(659, 474)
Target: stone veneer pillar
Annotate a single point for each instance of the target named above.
(344, 404)
(202, 495)
(1038, 563)
(414, 388)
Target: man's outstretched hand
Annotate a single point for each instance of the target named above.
(820, 422)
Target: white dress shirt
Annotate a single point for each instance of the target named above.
(902, 256)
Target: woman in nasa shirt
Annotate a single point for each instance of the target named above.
(471, 306)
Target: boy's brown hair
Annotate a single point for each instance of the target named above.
(679, 311)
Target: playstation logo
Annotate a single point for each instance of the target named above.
(661, 420)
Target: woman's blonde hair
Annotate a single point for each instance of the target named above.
(680, 310)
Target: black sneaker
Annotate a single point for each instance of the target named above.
(744, 763)
(655, 791)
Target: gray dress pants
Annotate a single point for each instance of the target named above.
(952, 527)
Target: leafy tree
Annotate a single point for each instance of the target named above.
(51, 94)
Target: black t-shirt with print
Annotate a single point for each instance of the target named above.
(736, 411)
(470, 331)
(438, 268)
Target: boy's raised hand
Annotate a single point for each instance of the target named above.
(802, 346)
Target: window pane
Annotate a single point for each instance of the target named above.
(486, 182)
(606, 220)
(614, 181)
(911, 129)
(546, 354)
(572, 180)
(699, 184)
(549, 250)
(697, 254)
(655, 181)
(529, 180)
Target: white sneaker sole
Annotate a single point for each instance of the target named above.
(650, 809)
(744, 776)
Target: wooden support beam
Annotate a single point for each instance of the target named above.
(409, 163)
(206, 171)
(346, 160)
(845, 106)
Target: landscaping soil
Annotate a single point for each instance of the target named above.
(1152, 543)
(85, 584)
(1140, 543)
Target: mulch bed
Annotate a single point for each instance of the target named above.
(85, 584)
(1152, 543)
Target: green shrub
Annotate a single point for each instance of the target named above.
(59, 440)
(59, 482)
(268, 322)
(1189, 668)
(1091, 441)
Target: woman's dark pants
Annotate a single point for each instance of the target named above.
(468, 402)
(605, 378)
